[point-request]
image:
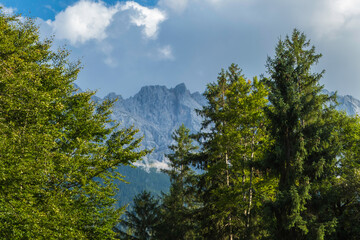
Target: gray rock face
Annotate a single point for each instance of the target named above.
(157, 111)
(347, 103)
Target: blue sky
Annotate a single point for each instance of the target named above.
(124, 45)
(47, 9)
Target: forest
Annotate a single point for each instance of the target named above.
(273, 160)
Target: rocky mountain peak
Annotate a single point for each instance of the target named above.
(152, 90)
(113, 95)
(181, 89)
(157, 111)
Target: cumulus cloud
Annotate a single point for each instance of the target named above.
(88, 20)
(208, 35)
(83, 21)
(335, 16)
(7, 10)
(145, 17)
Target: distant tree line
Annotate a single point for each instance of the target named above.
(275, 161)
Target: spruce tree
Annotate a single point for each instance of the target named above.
(346, 182)
(179, 204)
(303, 150)
(336, 197)
(142, 220)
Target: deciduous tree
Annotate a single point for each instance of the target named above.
(233, 138)
(57, 151)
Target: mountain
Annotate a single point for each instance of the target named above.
(157, 111)
(347, 103)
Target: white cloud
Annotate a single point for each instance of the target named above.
(6, 10)
(10, 12)
(175, 5)
(166, 52)
(148, 164)
(347, 7)
(215, 1)
(209, 35)
(159, 165)
(107, 50)
(145, 17)
(88, 20)
(335, 16)
(180, 6)
(83, 21)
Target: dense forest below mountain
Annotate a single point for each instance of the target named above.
(273, 158)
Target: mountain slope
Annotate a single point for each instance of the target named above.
(157, 111)
(347, 103)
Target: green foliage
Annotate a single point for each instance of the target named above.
(233, 127)
(304, 150)
(340, 191)
(137, 180)
(180, 203)
(276, 161)
(57, 154)
(142, 221)
(287, 169)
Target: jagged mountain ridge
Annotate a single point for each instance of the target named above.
(347, 103)
(157, 111)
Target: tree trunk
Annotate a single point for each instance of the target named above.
(228, 185)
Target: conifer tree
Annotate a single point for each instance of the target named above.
(301, 127)
(345, 207)
(180, 203)
(57, 153)
(336, 196)
(143, 219)
(232, 130)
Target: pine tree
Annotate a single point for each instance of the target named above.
(180, 203)
(57, 153)
(303, 149)
(143, 219)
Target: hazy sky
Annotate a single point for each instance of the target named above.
(124, 45)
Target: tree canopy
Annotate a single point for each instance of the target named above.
(57, 149)
(302, 127)
(273, 160)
